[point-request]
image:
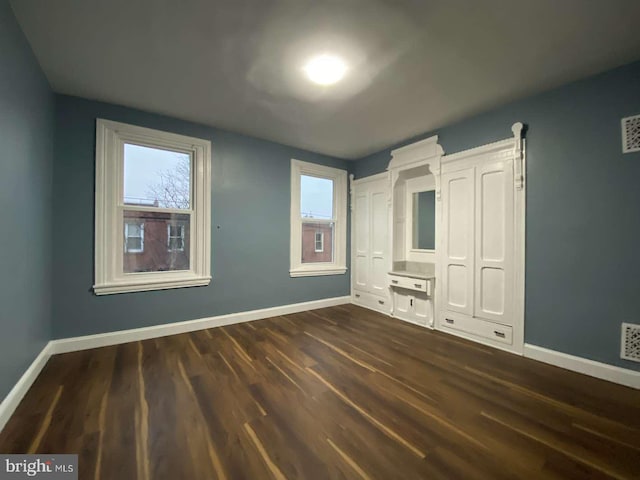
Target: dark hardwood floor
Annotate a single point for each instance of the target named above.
(340, 392)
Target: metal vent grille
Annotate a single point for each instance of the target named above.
(630, 345)
(631, 134)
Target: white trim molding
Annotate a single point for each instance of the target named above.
(123, 336)
(339, 220)
(111, 138)
(20, 389)
(604, 371)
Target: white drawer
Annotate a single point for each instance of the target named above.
(374, 302)
(478, 326)
(417, 284)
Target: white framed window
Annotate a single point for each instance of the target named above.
(319, 242)
(318, 205)
(153, 209)
(133, 237)
(175, 237)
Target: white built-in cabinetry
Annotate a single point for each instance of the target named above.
(370, 242)
(412, 280)
(481, 254)
(472, 283)
(413, 304)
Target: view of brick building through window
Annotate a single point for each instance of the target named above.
(155, 180)
(311, 251)
(155, 241)
(316, 212)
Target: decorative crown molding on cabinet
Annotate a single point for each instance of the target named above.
(425, 152)
(416, 152)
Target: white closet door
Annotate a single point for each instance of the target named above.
(494, 242)
(458, 242)
(362, 239)
(379, 240)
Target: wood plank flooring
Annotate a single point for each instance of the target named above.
(340, 392)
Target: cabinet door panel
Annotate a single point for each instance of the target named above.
(494, 237)
(379, 239)
(402, 304)
(362, 240)
(422, 309)
(458, 240)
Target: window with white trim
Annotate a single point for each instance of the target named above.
(319, 242)
(175, 238)
(153, 209)
(318, 220)
(133, 237)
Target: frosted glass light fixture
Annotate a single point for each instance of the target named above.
(325, 69)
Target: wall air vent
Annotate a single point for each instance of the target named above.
(630, 344)
(631, 134)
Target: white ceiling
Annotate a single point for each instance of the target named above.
(236, 64)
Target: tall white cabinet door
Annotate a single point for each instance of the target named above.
(379, 241)
(494, 268)
(362, 215)
(458, 240)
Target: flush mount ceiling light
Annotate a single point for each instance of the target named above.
(325, 69)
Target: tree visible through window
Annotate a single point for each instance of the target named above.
(154, 188)
(157, 187)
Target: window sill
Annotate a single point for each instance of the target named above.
(145, 286)
(315, 272)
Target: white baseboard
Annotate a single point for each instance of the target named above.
(123, 336)
(19, 390)
(13, 399)
(623, 376)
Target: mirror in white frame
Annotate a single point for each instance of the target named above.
(423, 220)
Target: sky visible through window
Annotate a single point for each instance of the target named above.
(148, 170)
(316, 197)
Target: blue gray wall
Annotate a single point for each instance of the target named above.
(250, 249)
(583, 209)
(26, 147)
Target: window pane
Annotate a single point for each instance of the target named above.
(133, 229)
(156, 254)
(155, 177)
(175, 243)
(309, 233)
(316, 197)
(134, 244)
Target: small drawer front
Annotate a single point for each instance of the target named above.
(373, 302)
(477, 326)
(416, 284)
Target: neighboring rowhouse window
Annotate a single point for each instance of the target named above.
(152, 209)
(319, 242)
(133, 237)
(318, 219)
(175, 238)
